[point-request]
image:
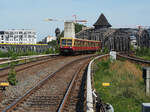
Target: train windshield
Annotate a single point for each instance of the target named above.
(63, 42)
(69, 42)
(66, 42)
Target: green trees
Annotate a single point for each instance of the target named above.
(78, 27)
(54, 47)
(143, 51)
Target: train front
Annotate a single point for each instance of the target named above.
(66, 45)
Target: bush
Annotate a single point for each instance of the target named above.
(143, 51)
(4, 54)
(105, 50)
(12, 76)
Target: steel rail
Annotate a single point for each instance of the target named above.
(29, 92)
(134, 59)
(68, 91)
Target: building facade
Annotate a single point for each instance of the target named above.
(48, 39)
(21, 36)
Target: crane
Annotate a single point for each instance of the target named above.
(69, 28)
(74, 21)
(132, 26)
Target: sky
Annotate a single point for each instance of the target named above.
(30, 14)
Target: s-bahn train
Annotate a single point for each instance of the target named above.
(77, 46)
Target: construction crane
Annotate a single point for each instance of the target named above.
(74, 21)
(69, 27)
(132, 26)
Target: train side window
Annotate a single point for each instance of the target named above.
(86, 43)
(75, 43)
(82, 44)
(78, 43)
(89, 44)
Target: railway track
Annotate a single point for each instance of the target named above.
(20, 67)
(3, 60)
(48, 94)
(25, 60)
(135, 59)
(74, 98)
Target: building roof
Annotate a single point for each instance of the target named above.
(102, 22)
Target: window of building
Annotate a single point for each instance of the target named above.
(20, 32)
(2, 38)
(11, 33)
(7, 39)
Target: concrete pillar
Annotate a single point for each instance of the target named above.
(146, 76)
(69, 29)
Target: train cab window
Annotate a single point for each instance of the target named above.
(63, 42)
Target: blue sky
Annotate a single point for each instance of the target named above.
(30, 14)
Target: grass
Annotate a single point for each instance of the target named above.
(144, 57)
(126, 91)
(143, 52)
(15, 63)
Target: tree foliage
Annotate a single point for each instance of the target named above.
(52, 43)
(78, 27)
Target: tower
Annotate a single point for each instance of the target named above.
(102, 22)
